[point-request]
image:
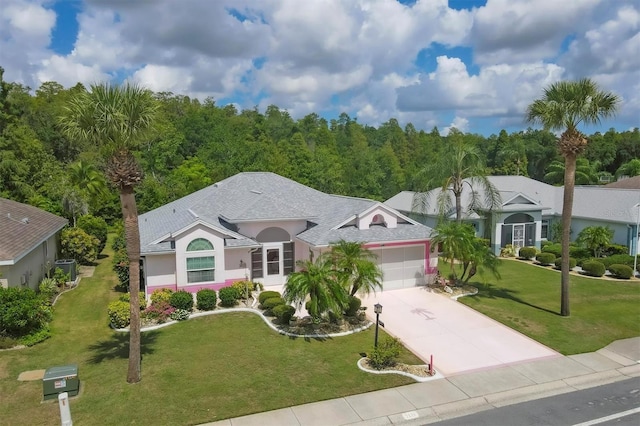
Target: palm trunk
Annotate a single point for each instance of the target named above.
(132, 236)
(458, 197)
(567, 208)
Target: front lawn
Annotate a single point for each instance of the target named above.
(527, 298)
(201, 370)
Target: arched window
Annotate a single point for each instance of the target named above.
(200, 269)
(200, 244)
(378, 220)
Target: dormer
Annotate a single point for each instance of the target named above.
(377, 216)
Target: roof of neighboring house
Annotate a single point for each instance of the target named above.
(629, 183)
(519, 193)
(23, 228)
(264, 197)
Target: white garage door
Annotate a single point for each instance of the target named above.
(402, 266)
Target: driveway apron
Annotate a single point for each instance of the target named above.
(459, 338)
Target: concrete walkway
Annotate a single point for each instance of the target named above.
(463, 393)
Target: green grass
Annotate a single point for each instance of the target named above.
(201, 370)
(527, 298)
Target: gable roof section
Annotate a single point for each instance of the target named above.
(264, 197)
(23, 228)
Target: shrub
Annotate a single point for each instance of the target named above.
(243, 286)
(206, 299)
(619, 259)
(612, 249)
(22, 311)
(60, 277)
(354, 305)
(546, 258)
(271, 303)
(284, 313)
(572, 263)
(119, 314)
(267, 295)
(159, 311)
(554, 248)
(77, 244)
(228, 296)
(48, 288)
(385, 355)
(545, 243)
(181, 299)
(179, 315)
(126, 297)
(96, 227)
(528, 253)
(507, 251)
(621, 271)
(120, 265)
(35, 337)
(579, 252)
(593, 268)
(161, 295)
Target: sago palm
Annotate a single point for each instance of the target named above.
(117, 119)
(563, 106)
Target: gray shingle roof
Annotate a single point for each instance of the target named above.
(23, 227)
(263, 196)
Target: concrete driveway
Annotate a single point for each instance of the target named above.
(459, 338)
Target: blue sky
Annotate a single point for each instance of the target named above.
(470, 64)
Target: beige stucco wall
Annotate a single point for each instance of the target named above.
(33, 266)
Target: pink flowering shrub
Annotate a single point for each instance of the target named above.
(159, 311)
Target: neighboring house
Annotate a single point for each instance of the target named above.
(29, 240)
(530, 208)
(257, 225)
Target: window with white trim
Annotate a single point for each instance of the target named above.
(201, 268)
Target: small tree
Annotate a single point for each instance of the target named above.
(94, 226)
(595, 238)
(77, 244)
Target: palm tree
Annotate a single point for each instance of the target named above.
(455, 241)
(358, 267)
(586, 173)
(88, 179)
(117, 119)
(457, 166)
(479, 259)
(318, 282)
(563, 106)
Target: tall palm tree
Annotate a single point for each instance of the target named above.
(358, 266)
(460, 165)
(318, 282)
(563, 106)
(586, 173)
(117, 119)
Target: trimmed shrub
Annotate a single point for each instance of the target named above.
(162, 295)
(179, 315)
(267, 295)
(120, 265)
(159, 311)
(621, 271)
(273, 302)
(579, 252)
(119, 314)
(284, 313)
(386, 354)
(77, 244)
(94, 226)
(554, 248)
(528, 253)
(617, 259)
(354, 305)
(206, 299)
(126, 297)
(594, 268)
(572, 263)
(22, 312)
(228, 296)
(546, 259)
(545, 243)
(181, 299)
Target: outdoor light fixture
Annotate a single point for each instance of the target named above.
(377, 308)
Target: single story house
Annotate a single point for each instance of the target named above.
(256, 225)
(29, 241)
(529, 209)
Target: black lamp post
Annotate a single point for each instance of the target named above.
(377, 308)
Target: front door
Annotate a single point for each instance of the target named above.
(518, 236)
(273, 264)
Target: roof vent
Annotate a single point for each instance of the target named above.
(256, 191)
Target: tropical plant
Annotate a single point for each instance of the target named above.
(455, 241)
(356, 266)
(595, 238)
(630, 168)
(480, 259)
(586, 173)
(118, 119)
(563, 106)
(317, 281)
(459, 165)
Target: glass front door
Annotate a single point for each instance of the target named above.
(273, 261)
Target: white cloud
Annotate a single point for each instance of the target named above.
(68, 73)
(459, 123)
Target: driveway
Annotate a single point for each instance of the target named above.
(459, 338)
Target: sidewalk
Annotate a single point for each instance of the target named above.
(462, 394)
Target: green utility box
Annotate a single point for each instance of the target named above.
(60, 379)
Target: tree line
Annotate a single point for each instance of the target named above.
(196, 143)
